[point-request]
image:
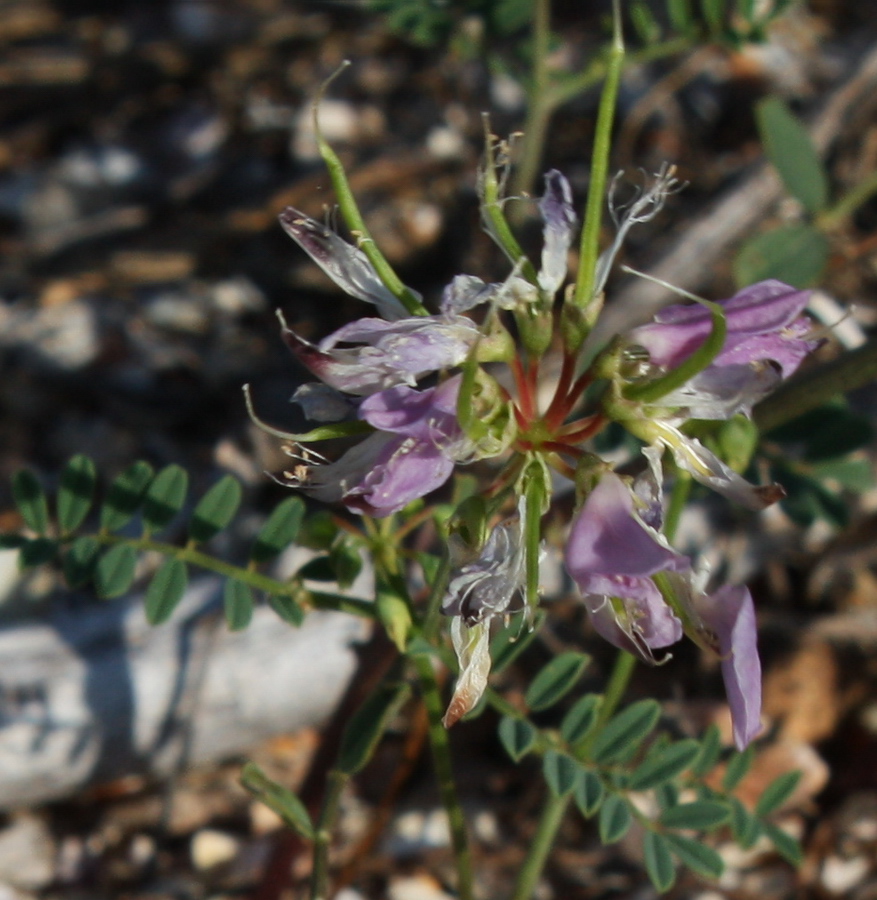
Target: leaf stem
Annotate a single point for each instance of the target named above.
(441, 754)
(292, 588)
(589, 247)
(543, 841)
(323, 835)
(353, 218)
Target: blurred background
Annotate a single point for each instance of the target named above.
(146, 149)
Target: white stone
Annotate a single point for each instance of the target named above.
(841, 875)
(27, 854)
(210, 848)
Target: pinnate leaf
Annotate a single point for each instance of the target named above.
(784, 844)
(699, 815)
(710, 751)
(215, 509)
(75, 492)
(623, 733)
(30, 499)
(279, 799)
(580, 718)
(738, 765)
(80, 560)
(517, 736)
(165, 497)
(697, 856)
(744, 826)
(789, 148)
(237, 601)
(367, 725)
(114, 571)
(279, 531)
(165, 591)
(555, 679)
(561, 772)
(37, 552)
(589, 792)
(659, 861)
(776, 793)
(796, 254)
(614, 820)
(664, 764)
(125, 495)
(287, 608)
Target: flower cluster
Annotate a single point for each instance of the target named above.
(420, 388)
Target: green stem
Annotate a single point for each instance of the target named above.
(625, 663)
(539, 108)
(543, 841)
(817, 386)
(542, 106)
(353, 218)
(848, 204)
(496, 223)
(323, 836)
(432, 617)
(590, 243)
(293, 588)
(441, 754)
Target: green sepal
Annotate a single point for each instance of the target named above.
(395, 615)
(651, 391)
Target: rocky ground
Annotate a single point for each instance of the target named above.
(145, 151)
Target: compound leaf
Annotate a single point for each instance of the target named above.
(165, 591)
(555, 679)
(215, 509)
(75, 492)
(165, 497)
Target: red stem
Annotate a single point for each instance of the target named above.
(582, 432)
(525, 397)
(559, 408)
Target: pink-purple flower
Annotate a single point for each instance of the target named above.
(614, 556)
(369, 355)
(412, 452)
(767, 339)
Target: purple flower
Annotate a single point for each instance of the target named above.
(345, 264)
(611, 554)
(478, 591)
(766, 341)
(412, 452)
(560, 221)
(387, 353)
(731, 614)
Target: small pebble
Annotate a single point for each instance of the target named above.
(27, 854)
(210, 848)
(841, 875)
